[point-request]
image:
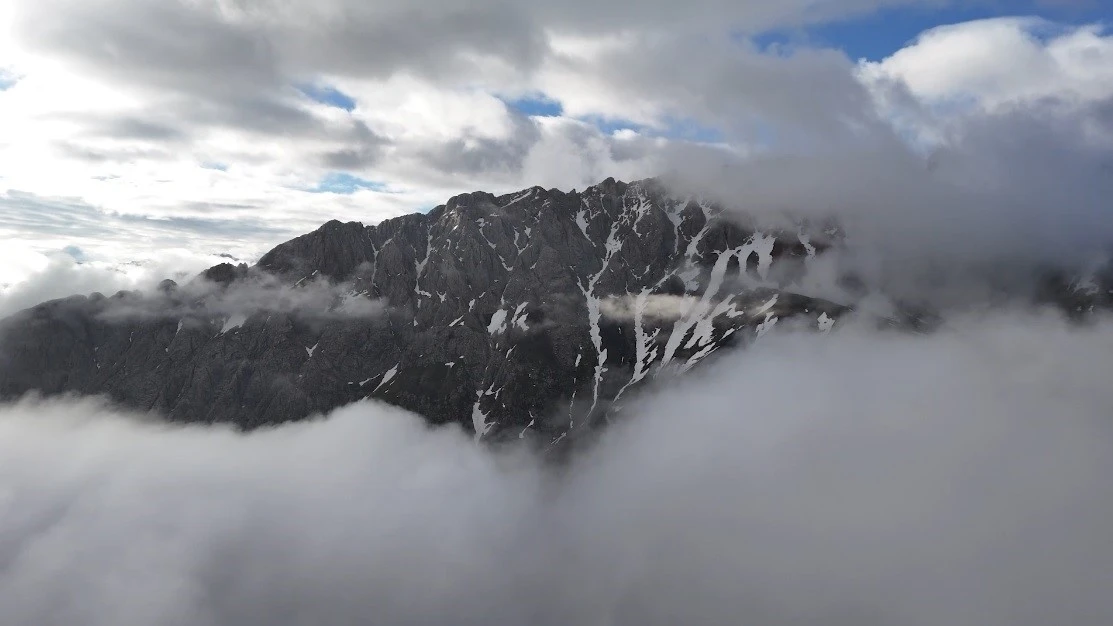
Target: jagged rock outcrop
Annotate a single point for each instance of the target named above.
(534, 314)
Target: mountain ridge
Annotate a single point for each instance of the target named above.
(527, 315)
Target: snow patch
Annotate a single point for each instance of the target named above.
(768, 305)
(310, 351)
(643, 343)
(421, 266)
(520, 316)
(581, 221)
(522, 435)
(498, 322)
(690, 276)
(825, 323)
(767, 325)
(233, 322)
(479, 419)
(387, 377)
(518, 198)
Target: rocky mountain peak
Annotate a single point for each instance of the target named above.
(534, 314)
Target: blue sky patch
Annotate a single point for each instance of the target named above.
(328, 95)
(214, 165)
(609, 126)
(879, 34)
(535, 106)
(339, 182)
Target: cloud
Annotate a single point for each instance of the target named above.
(965, 199)
(998, 62)
(853, 478)
(663, 307)
(736, 89)
(237, 293)
(123, 107)
(33, 277)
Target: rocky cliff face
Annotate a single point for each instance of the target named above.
(530, 315)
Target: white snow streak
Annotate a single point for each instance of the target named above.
(387, 377)
(479, 419)
(520, 317)
(233, 322)
(825, 323)
(498, 322)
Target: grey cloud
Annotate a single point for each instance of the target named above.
(96, 154)
(202, 69)
(143, 129)
(130, 127)
(278, 114)
(29, 213)
(253, 293)
(42, 222)
(473, 156)
(352, 158)
(62, 277)
(68, 272)
(853, 479)
(656, 306)
(747, 16)
(260, 114)
(173, 46)
(232, 64)
(32, 214)
(441, 41)
(809, 95)
(364, 148)
(225, 50)
(1006, 194)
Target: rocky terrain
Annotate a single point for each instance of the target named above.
(529, 315)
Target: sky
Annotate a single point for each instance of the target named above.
(146, 139)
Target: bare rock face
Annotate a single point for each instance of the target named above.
(530, 315)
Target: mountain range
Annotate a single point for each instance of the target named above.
(534, 315)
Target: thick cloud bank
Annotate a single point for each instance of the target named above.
(855, 478)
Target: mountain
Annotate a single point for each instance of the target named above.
(529, 315)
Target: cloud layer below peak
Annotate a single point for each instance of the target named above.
(852, 478)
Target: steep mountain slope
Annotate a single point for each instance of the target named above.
(526, 315)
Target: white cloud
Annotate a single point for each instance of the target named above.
(32, 277)
(852, 478)
(182, 122)
(1002, 62)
